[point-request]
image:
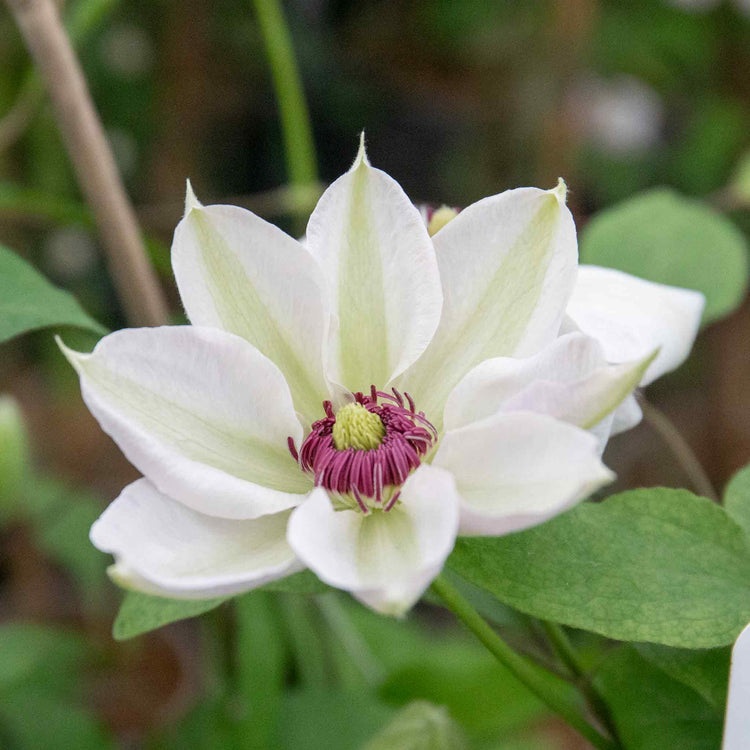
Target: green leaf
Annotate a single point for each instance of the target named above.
(140, 613)
(737, 498)
(656, 565)
(651, 711)
(419, 726)
(666, 238)
(704, 670)
(28, 301)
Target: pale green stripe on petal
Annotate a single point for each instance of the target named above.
(243, 275)
(382, 276)
(200, 435)
(363, 334)
(507, 265)
(201, 413)
(610, 387)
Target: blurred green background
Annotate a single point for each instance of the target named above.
(458, 100)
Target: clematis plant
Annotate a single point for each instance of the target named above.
(352, 403)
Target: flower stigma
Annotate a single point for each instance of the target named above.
(363, 453)
(439, 218)
(356, 427)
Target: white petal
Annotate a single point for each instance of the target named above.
(162, 547)
(508, 265)
(569, 380)
(244, 275)
(493, 383)
(627, 415)
(201, 413)
(384, 282)
(519, 469)
(631, 317)
(386, 560)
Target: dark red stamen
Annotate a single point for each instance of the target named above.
(365, 474)
(292, 448)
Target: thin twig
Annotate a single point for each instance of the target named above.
(135, 281)
(680, 448)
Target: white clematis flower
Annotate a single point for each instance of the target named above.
(354, 404)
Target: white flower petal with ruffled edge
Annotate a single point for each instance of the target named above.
(569, 380)
(507, 265)
(631, 317)
(201, 413)
(383, 277)
(239, 273)
(162, 547)
(519, 469)
(386, 560)
(485, 389)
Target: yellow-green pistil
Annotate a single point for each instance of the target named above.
(440, 218)
(357, 428)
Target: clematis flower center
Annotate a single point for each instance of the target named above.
(363, 453)
(357, 427)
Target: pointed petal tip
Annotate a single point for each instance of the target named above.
(71, 355)
(560, 191)
(361, 157)
(191, 202)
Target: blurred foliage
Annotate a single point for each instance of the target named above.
(651, 710)
(41, 702)
(419, 726)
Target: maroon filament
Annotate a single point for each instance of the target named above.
(375, 474)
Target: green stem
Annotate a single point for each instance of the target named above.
(540, 682)
(295, 118)
(563, 647)
(567, 654)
